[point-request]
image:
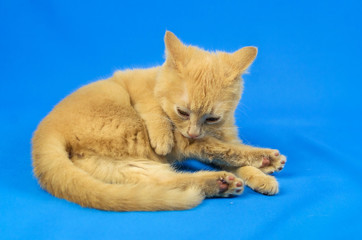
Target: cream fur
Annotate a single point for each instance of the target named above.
(111, 144)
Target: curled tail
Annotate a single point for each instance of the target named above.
(59, 176)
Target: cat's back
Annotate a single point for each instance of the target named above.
(104, 97)
(93, 99)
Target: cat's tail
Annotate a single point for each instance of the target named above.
(59, 176)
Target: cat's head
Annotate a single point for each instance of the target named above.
(200, 90)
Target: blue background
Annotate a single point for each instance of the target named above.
(302, 96)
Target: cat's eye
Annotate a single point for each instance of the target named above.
(211, 120)
(183, 113)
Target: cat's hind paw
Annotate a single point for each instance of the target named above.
(229, 185)
(219, 184)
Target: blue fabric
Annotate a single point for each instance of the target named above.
(302, 96)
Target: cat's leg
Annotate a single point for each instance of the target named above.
(158, 125)
(106, 169)
(212, 184)
(143, 171)
(122, 171)
(140, 184)
(236, 155)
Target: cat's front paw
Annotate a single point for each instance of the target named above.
(274, 162)
(162, 142)
(264, 184)
(268, 160)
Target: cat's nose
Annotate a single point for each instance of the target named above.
(193, 135)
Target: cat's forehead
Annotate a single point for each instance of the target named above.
(204, 87)
(202, 99)
(204, 68)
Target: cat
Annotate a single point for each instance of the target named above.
(111, 145)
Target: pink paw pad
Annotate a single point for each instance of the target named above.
(276, 154)
(223, 185)
(231, 178)
(265, 162)
(282, 162)
(239, 184)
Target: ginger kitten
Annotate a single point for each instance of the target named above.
(111, 144)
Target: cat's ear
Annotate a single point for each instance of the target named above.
(240, 60)
(175, 49)
(244, 57)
